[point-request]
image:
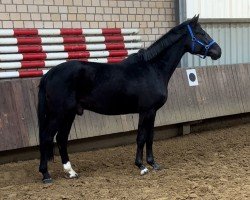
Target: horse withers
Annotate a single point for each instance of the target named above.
(136, 85)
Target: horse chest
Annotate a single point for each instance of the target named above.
(155, 93)
(155, 99)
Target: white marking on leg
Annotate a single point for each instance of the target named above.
(68, 169)
(144, 171)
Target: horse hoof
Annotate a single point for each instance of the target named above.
(156, 166)
(47, 180)
(144, 171)
(71, 176)
(74, 176)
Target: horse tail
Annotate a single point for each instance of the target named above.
(45, 140)
(42, 105)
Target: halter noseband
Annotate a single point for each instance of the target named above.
(195, 40)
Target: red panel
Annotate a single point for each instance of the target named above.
(110, 46)
(81, 47)
(70, 31)
(82, 59)
(115, 60)
(106, 31)
(32, 31)
(118, 53)
(73, 55)
(31, 49)
(34, 40)
(33, 73)
(109, 38)
(73, 39)
(32, 64)
(34, 56)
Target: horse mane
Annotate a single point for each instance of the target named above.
(164, 42)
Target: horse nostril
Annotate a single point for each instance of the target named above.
(219, 52)
(215, 52)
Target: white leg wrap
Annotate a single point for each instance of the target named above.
(144, 171)
(68, 169)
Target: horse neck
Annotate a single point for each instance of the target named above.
(167, 60)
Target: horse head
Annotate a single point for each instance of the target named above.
(199, 42)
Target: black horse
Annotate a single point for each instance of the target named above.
(136, 85)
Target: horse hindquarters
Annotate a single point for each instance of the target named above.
(56, 112)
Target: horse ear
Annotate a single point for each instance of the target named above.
(195, 20)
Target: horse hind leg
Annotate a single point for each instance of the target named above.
(62, 140)
(47, 148)
(43, 167)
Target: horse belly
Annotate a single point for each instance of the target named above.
(111, 105)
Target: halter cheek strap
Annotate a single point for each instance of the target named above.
(195, 40)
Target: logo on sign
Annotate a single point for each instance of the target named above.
(192, 77)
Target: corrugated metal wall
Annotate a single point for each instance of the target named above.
(234, 39)
(218, 8)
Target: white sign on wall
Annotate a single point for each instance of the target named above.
(192, 77)
(218, 8)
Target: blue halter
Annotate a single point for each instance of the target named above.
(195, 40)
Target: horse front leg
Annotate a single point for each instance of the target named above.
(146, 125)
(149, 150)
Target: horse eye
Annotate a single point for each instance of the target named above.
(201, 33)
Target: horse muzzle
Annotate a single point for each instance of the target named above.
(215, 51)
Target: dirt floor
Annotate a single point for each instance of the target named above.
(208, 165)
